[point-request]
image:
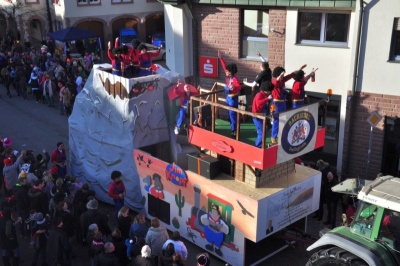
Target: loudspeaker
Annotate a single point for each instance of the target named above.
(202, 115)
(203, 165)
(227, 165)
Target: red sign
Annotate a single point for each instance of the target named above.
(208, 66)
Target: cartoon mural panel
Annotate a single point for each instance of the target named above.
(210, 215)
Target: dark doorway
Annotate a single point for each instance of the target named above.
(391, 147)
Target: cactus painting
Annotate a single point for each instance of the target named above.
(180, 201)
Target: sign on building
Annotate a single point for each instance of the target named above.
(208, 66)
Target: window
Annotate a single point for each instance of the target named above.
(323, 28)
(29, 1)
(255, 33)
(395, 51)
(88, 2)
(121, 1)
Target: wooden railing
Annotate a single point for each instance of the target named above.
(212, 99)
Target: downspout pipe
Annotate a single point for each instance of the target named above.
(354, 86)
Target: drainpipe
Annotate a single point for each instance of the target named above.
(49, 16)
(195, 46)
(354, 86)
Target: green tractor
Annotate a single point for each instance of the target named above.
(373, 238)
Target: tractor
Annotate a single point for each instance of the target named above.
(373, 237)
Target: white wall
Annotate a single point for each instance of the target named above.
(377, 74)
(334, 63)
(179, 42)
(335, 66)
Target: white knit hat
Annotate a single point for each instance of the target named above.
(146, 251)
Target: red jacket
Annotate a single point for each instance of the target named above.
(114, 189)
(231, 80)
(259, 102)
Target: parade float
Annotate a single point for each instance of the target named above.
(221, 193)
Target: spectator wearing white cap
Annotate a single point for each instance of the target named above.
(145, 259)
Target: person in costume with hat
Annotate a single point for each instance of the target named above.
(214, 229)
(279, 94)
(10, 172)
(117, 191)
(117, 60)
(145, 60)
(59, 158)
(260, 106)
(184, 99)
(7, 142)
(300, 81)
(232, 90)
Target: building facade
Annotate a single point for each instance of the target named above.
(348, 42)
(35, 18)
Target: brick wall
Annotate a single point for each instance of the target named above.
(218, 28)
(358, 142)
(267, 175)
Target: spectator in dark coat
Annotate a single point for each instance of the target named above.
(124, 221)
(145, 258)
(8, 238)
(59, 246)
(107, 258)
(177, 260)
(324, 168)
(22, 204)
(68, 221)
(38, 199)
(96, 247)
(120, 248)
(81, 198)
(139, 227)
(39, 238)
(331, 199)
(94, 216)
(166, 255)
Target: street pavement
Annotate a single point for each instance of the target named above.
(35, 126)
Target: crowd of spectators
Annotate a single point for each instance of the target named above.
(49, 75)
(41, 203)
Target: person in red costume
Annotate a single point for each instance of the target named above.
(117, 191)
(232, 89)
(145, 60)
(260, 104)
(184, 100)
(116, 59)
(298, 92)
(279, 94)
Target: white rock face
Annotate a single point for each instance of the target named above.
(104, 130)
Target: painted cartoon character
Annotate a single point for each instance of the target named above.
(157, 189)
(147, 183)
(214, 229)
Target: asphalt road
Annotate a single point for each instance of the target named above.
(36, 126)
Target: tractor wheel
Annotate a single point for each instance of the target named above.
(335, 256)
